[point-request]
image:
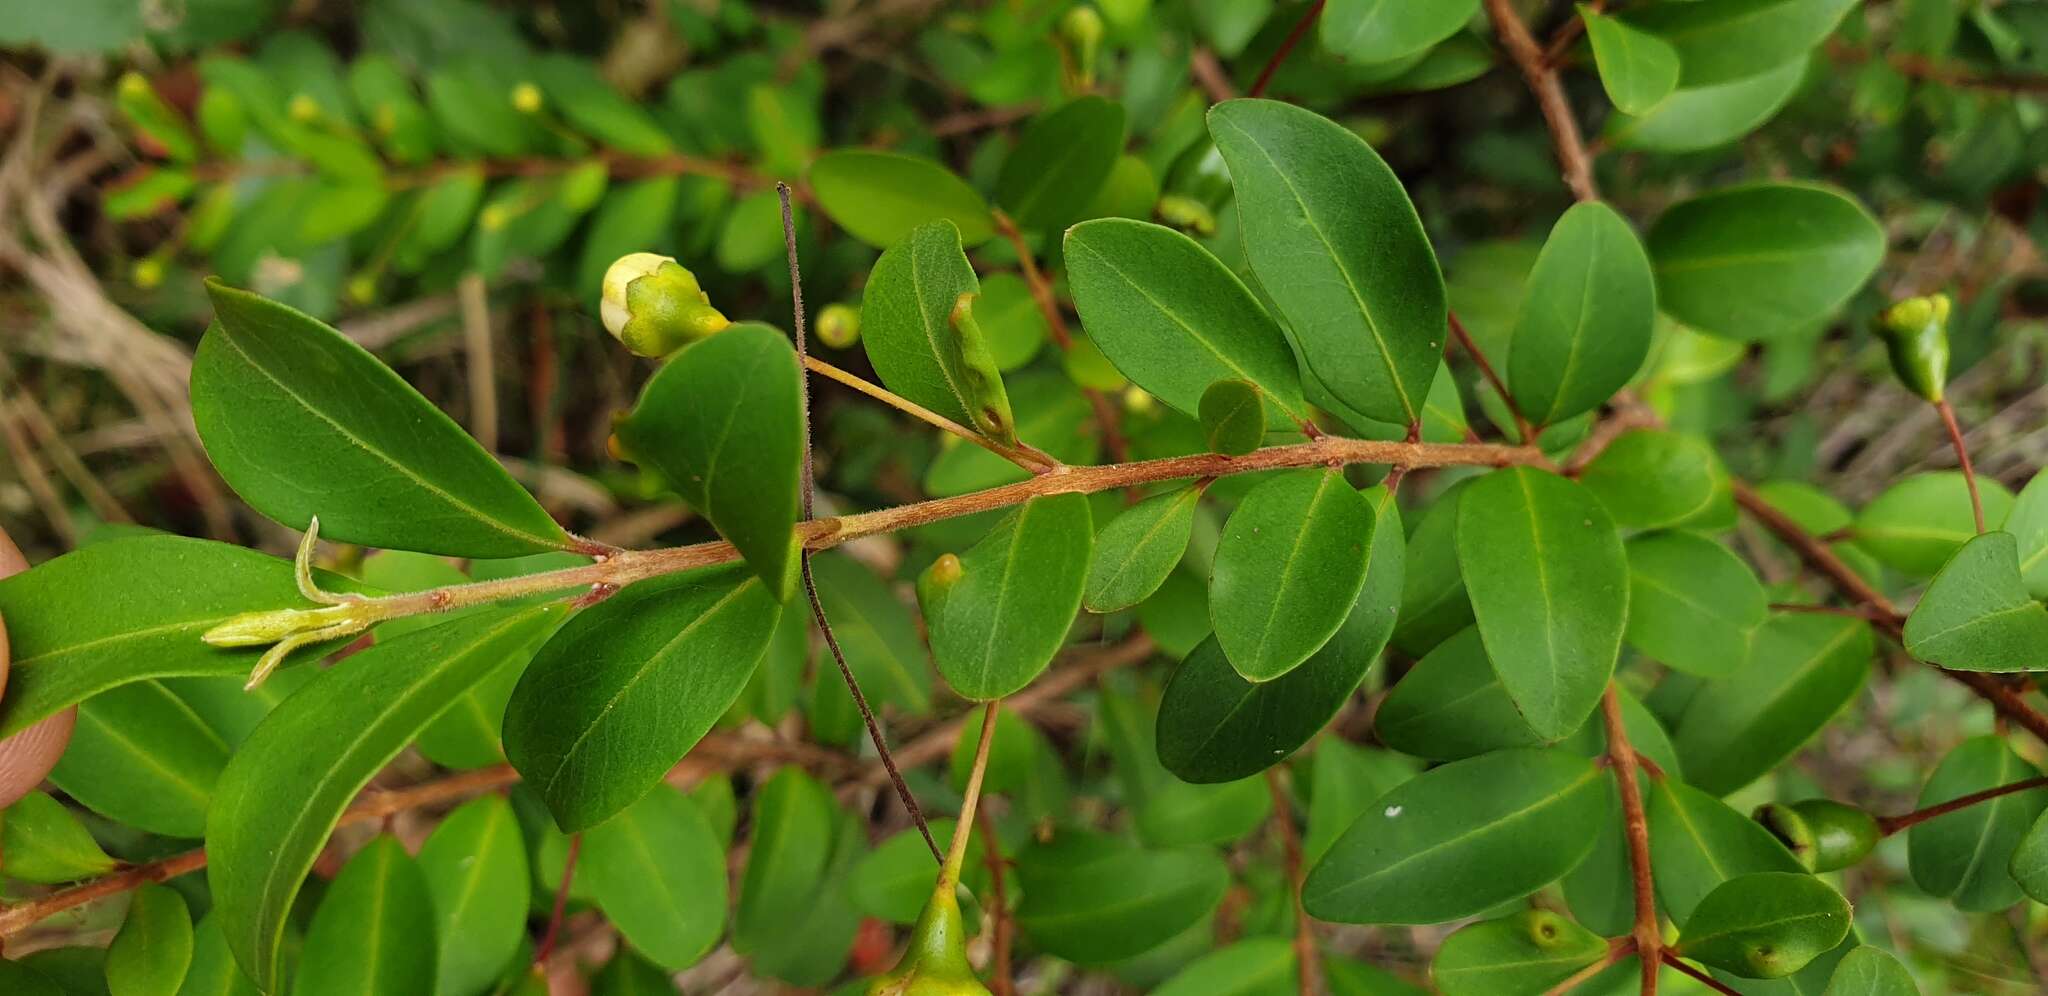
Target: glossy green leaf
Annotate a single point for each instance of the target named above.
(1174, 319)
(1760, 260)
(1460, 838)
(1765, 925)
(722, 421)
(1548, 580)
(301, 422)
(43, 842)
(1917, 524)
(998, 613)
(909, 326)
(1137, 550)
(657, 871)
(1233, 417)
(879, 197)
(1060, 161)
(475, 868)
(1722, 40)
(794, 823)
(1528, 952)
(1698, 842)
(1977, 614)
(1704, 117)
(293, 777)
(1655, 479)
(1255, 966)
(373, 933)
(1692, 603)
(1803, 668)
(1452, 705)
(153, 949)
(1288, 570)
(2027, 522)
(1637, 68)
(629, 685)
(1332, 236)
(1584, 325)
(140, 756)
(467, 735)
(1965, 856)
(1377, 31)
(1093, 899)
(1869, 971)
(213, 971)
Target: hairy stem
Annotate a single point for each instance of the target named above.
(1955, 438)
(1893, 824)
(1648, 938)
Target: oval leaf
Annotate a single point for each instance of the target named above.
(1698, 842)
(1452, 705)
(1803, 668)
(909, 326)
(141, 756)
(1869, 971)
(1692, 603)
(658, 873)
(1288, 570)
(373, 934)
(474, 865)
(1637, 68)
(1584, 325)
(1917, 524)
(1377, 31)
(1233, 417)
(1977, 615)
(1060, 162)
(997, 614)
(1760, 260)
(1765, 925)
(1138, 549)
(1722, 40)
(1526, 953)
(1093, 899)
(1653, 479)
(153, 949)
(1707, 116)
(878, 197)
(1965, 856)
(43, 842)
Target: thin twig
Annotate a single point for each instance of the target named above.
(1649, 939)
(1308, 20)
(480, 363)
(1023, 454)
(1889, 825)
(1308, 966)
(1543, 81)
(1049, 306)
(809, 481)
(1709, 981)
(561, 908)
(1500, 387)
(1000, 973)
(1209, 73)
(1617, 949)
(37, 480)
(1955, 438)
(963, 829)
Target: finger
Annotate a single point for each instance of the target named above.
(27, 757)
(11, 563)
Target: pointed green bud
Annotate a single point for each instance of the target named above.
(838, 325)
(654, 306)
(1916, 335)
(935, 962)
(1186, 213)
(1082, 29)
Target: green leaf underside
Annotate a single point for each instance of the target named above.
(629, 685)
(1378, 31)
(1759, 260)
(1137, 550)
(1803, 668)
(658, 872)
(1341, 250)
(1288, 570)
(879, 197)
(293, 777)
(998, 625)
(1704, 117)
(1722, 40)
(1693, 604)
(1977, 614)
(475, 867)
(373, 933)
(1637, 68)
(301, 422)
(906, 319)
(1584, 325)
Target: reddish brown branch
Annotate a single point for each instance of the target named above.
(1000, 981)
(1893, 824)
(1308, 20)
(561, 908)
(1308, 963)
(1955, 438)
(1543, 80)
(1648, 938)
(1500, 387)
(1702, 977)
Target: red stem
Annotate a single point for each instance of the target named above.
(1955, 438)
(1286, 48)
(1893, 824)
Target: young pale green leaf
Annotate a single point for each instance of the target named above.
(997, 614)
(1761, 260)
(1722, 40)
(1368, 32)
(1977, 614)
(1654, 479)
(1093, 899)
(1458, 839)
(1233, 417)
(288, 784)
(301, 422)
(880, 197)
(373, 933)
(910, 325)
(2028, 523)
(1060, 162)
(1966, 856)
(1452, 705)
(1919, 523)
(1637, 68)
(629, 685)
(1174, 319)
(1765, 925)
(152, 951)
(1216, 726)
(213, 971)
(1803, 668)
(44, 843)
(1288, 570)
(1704, 117)
(1332, 236)
(657, 871)
(475, 869)
(1137, 550)
(1692, 603)
(795, 823)
(1584, 325)
(1548, 580)
(140, 756)
(722, 421)
(1869, 971)
(1528, 952)
(876, 632)
(1698, 842)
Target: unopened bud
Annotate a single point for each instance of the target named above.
(1082, 28)
(148, 272)
(1184, 212)
(655, 306)
(526, 98)
(303, 108)
(1915, 334)
(838, 325)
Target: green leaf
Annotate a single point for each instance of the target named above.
(2027, 521)
(1256, 966)
(1638, 68)
(1137, 550)
(879, 197)
(1052, 414)
(1765, 925)
(213, 971)
(44, 843)
(1761, 260)
(1525, 953)
(657, 871)
(722, 421)
(288, 785)
(1288, 570)
(876, 632)
(468, 734)
(1433, 601)
(1233, 417)
(373, 934)
(1803, 668)
(1060, 161)
(140, 756)
(579, 94)
(1175, 320)
(153, 949)
(1869, 971)
(1345, 780)
(1977, 614)
(1332, 236)
(894, 881)
(1452, 705)
(629, 685)
(1584, 325)
(1654, 479)
(1093, 899)
(301, 422)
(1548, 580)
(474, 865)
(909, 324)
(634, 217)
(1697, 842)
(1458, 839)
(1181, 812)
(1377, 31)
(1919, 523)
(794, 822)
(1966, 856)
(1692, 603)
(628, 975)
(20, 979)
(1722, 40)
(997, 614)
(1703, 117)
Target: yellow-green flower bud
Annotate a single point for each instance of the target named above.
(1082, 28)
(148, 272)
(526, 98)
(838, 325)
(655, 306)
(303, 108)
(1916, 335)
(1184, 212)
(362, 288)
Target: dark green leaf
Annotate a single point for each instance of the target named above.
(1765, 925)
(1288, 570)
(876, 632)
(1638, 68)
(997, 614)
(1764, 259)
(794, 822)
(909, 324)
(1433, 601)
(1378, 31)
(1233, 417)
(894, 881)
(1654, 479)
(1060, 161)
(628, 975)
(1692, 603)
(657, 871)
(1137, 550)
(44, 843)
(1584, 324)
(141, 756)
(1917, 524)
(1451, 705)
(879, 197)
(1803, 668)
(1722, 40)
(373, 934)
(1181, 812)
(576, 92)
(1093, 899)
(1525, 953)
(1698, 842)
(634, 217)
(475, 868)
(1869, 971)
(1965, 856)
(153, 949)
(1345, 781)
(1977, 614)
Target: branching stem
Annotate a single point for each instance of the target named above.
(1893, 824)
(1307, 961)
(1648, 938)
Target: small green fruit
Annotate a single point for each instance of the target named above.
(838, 325)
(935, 963)
(1916, 335)
(1823, 834)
